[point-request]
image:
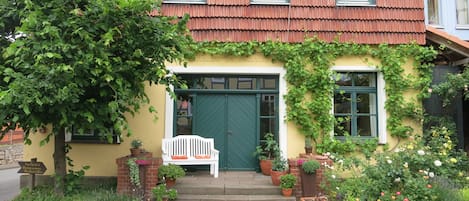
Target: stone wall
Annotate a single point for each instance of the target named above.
(10, 154)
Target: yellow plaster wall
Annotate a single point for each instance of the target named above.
(101, 157)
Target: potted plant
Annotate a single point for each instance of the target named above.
(308, 177)
(266, 152)
(279, 168)
(135, 147)
(170, 173)
(287, 182)
(161, 193)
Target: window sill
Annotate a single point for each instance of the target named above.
(462, 26)
(355, 5)
(437, 26)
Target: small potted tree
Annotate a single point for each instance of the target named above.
(266, 152)
(287, 182)
(135, 147)
(169, 173)
(161, 193)
(308, 177)
(279, 168)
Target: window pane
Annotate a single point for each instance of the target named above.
(462, 14)
(366, 103)
(268, 105)
(242, 83)
(365, 79)
(184, 114)
(267, 83)
(433, 12)
(343, 79)
(268, 125)
(342, 103)
(366, 126)
(343, 126)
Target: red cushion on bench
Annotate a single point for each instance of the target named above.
(174, 157)
(202, 156)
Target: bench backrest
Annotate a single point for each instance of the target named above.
(188, 145)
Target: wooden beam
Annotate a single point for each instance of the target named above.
(461, 62)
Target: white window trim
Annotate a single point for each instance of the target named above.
(238, 70)
(381, 94)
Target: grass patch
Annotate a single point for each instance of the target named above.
(96, 193)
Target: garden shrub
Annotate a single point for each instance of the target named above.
(416, 170)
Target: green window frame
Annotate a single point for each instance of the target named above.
(91, 136)
(355, 2)
(356, 105)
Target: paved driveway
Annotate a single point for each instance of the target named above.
(9, 184)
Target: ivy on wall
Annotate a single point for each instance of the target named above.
(311, 87)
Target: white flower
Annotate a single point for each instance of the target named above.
(397, 150)
(341, 161)
(333, 176)
(337, 188)
(421, 152)
(397, 180)
(332, 157)
(389, 161)
(431, 174)
(406, 165)
(328, 153)
(437, 163)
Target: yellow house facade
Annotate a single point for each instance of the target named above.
(101, 157)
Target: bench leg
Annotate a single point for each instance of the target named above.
(216, 170)
(212, 168)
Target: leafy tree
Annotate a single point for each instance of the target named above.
(85, 63)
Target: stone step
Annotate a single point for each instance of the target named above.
(228, 189)
(189, 197)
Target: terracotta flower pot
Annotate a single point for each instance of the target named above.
(266, 167)
(170, 182)
(287, 192)
(135, 152)
(275, 176)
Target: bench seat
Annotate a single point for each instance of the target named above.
(191, 150)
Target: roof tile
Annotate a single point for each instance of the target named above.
(390, 21)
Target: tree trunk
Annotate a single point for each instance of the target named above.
(59, 161)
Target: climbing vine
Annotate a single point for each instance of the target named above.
(309, 75)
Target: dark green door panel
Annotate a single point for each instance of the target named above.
(210, 121)
(241, 130)
(231, 121)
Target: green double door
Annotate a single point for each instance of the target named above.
(232, 121)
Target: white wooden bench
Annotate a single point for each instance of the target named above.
(191, 150)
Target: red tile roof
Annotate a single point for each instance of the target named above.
(390, 21)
